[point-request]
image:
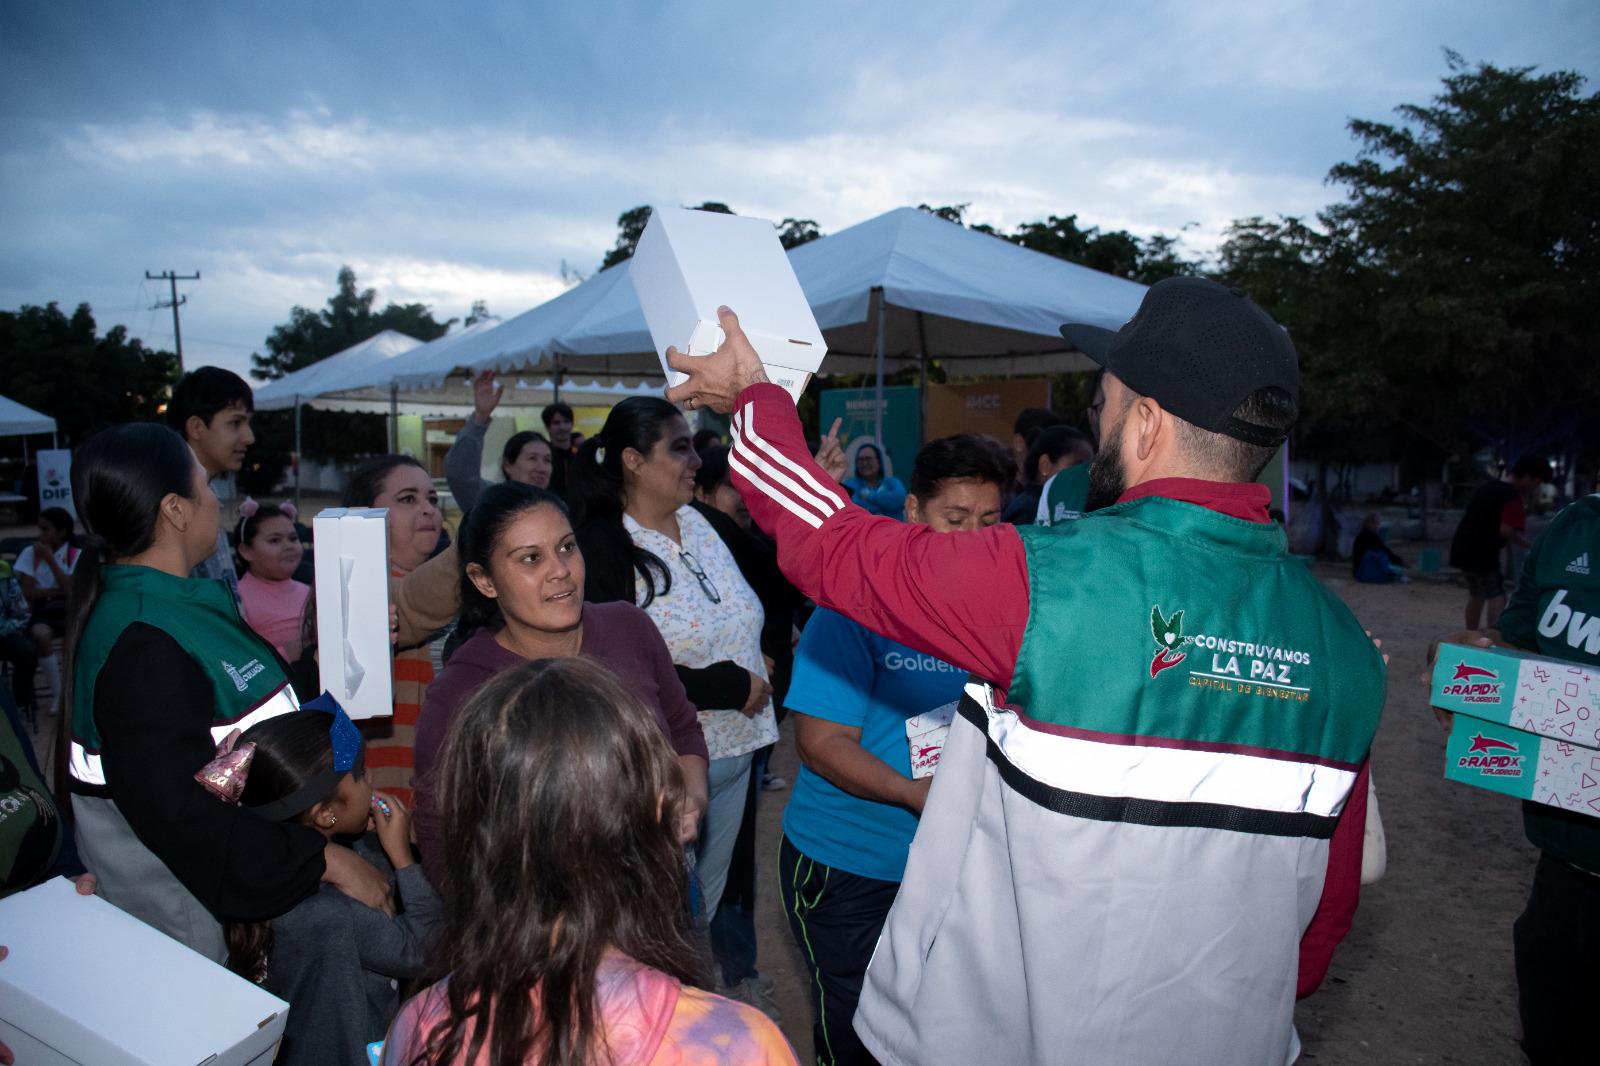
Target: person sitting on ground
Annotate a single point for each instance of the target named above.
(848, 827)
(522, 598)
(1372, 561)
(878, 492)
(400, 484)
(643, 543)
(335, 961)
(1055, 448)
(161, 669)
(1496, 513)
(558, 422)
(211, 410)
(45, 570)
(526, 456)
(564, 890)
(272, 602)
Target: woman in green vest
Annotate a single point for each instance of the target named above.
(161, 669)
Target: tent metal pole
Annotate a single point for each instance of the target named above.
(922, 374)
(299, 459)
(394, 416)
(555, 393)
(877, 358)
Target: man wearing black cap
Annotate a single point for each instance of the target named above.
(1145, 828)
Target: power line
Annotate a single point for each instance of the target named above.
(175, 303)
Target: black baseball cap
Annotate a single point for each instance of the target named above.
(1199, 349)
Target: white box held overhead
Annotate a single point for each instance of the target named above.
(87, 983)
(688, 263)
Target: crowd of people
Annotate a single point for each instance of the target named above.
(1027, 817)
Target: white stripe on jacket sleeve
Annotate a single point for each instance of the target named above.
(759, 463)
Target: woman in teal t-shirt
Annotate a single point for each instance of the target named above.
(872, 488)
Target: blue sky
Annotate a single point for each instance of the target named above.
(464, 152)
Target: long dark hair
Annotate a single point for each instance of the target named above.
(595, 491)
(496, 508)
(366, 481)
(291, 750)
(540, 878)
(119, 479)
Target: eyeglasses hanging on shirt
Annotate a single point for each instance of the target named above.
(700, 575)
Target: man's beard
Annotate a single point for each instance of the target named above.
(1107, 480)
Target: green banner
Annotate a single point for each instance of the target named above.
(902, 423)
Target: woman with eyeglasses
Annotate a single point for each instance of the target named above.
(630, 486)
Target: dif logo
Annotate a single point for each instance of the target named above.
(55, 489)
(1492, 757)
(1474, 684)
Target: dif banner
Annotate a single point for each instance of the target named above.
(55, 479)
(902, 424)
(983, 407)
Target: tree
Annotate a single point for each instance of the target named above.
(1446, 302)
(348, 319)
(793, 232)
(310, 336)
(59, 366)
(1478, 214)
(631, 224)
(479, 313)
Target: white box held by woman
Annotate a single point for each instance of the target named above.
(688, 263)
(353, 649)
(87, 983)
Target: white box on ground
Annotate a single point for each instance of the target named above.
(353, 649)
(688, 263)
(87, 983)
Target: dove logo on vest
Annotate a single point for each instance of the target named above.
(1168, 634)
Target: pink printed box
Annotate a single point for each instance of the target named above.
(1526, 725)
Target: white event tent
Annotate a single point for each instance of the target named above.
(19, 421)
(890, 292)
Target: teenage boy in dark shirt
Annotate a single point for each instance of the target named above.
(210, 409)
(1496, 514)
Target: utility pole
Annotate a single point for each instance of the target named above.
(174, 303)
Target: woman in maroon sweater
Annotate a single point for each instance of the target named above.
(522, 599)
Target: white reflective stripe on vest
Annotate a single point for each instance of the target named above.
(86, 767)
(1169, 774)
(280, 702)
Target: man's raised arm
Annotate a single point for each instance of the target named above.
(962, 597)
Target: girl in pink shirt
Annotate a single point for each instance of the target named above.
(269, 553)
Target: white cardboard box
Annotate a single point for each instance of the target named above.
(688, 263)
(87, 983)
(353, 649)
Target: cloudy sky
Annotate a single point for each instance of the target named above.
(462, 152)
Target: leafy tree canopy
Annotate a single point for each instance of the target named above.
(61, 367)
(1448, 299)
(347, 319)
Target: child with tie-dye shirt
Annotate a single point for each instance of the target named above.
(565, 889)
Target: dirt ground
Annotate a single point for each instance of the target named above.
(1425, 975)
